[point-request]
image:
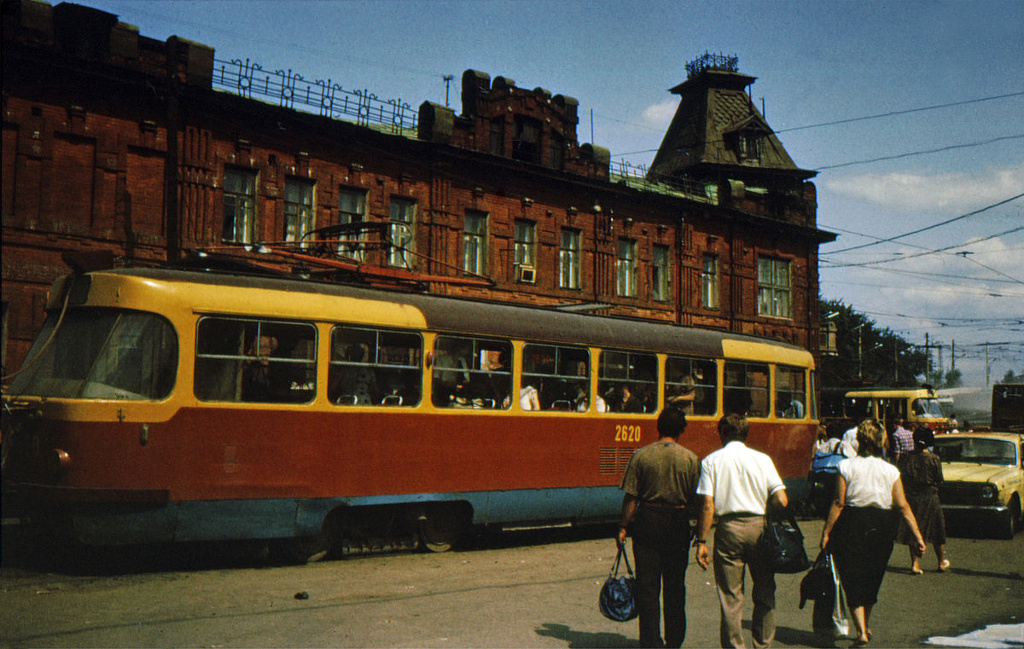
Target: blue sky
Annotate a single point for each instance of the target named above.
(817, 63)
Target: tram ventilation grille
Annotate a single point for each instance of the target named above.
(615, 459)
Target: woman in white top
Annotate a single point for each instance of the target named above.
(861, 524)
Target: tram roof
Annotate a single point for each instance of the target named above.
(468, 316)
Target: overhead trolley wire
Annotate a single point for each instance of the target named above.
(929, 252)
(925, 229)
(863, 118)
(901, 112)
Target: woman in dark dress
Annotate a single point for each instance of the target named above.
(921, 472)
(861, 524)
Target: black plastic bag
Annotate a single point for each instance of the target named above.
(782, 545)
(616, 600)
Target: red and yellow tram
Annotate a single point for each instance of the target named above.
(175, 405)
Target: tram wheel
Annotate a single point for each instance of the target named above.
(312, 548)
(440, 527)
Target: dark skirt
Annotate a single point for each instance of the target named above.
(928, 512)
(861, 543)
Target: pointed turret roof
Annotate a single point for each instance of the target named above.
(718, 132)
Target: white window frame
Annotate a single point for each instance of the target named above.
(661, 267)
(709, 281)
(474, 242)
(626, 268)
(524, 264)
(299, 213)
(239, 205)
(402, 229)
(774, 287)
(352, 209)
(569, 259)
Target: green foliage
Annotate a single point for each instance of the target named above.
(1010, 377)
(865, 354)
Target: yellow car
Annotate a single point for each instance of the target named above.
(984, 475)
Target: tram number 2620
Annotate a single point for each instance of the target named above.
(627, 433)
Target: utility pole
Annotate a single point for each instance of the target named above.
(986, 366)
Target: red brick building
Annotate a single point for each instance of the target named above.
(150, 150)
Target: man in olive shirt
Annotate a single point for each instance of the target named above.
(660, 485)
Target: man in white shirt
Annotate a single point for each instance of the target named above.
(737, 484)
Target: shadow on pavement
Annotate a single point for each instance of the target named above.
(584, 639)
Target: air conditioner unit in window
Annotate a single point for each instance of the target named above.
(526, 274)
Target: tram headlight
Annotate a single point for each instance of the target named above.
(60, 461)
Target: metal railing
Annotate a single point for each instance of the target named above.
(323, 97)
(635, 176)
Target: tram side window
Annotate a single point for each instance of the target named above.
(857, 408)
(790, 393)
(628, 382)
(471, 373)
(555, 378)
(746, 389)
(258, 361)
(692, 382)
(375, 367)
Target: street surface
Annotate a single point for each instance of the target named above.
(535, 589)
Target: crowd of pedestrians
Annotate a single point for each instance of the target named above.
(885, 494)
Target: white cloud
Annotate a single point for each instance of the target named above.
(659, 116)
(942, 193)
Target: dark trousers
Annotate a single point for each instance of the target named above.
(661, 551)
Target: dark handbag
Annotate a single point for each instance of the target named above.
(616, 599)
(818, 585)
(782, 545)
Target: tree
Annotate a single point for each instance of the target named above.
(1010, 377)
(865, 355)
(953, 379)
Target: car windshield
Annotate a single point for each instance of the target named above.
(982, 450)
(101, 354)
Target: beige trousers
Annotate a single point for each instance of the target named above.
(736, 549)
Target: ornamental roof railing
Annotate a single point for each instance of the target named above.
(289, 89)
(709, 61)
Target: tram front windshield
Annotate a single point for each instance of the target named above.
(101, 354)
(927, 408)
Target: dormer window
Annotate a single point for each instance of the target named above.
(749, 145)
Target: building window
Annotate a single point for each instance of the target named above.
(239, 205)
(497, 141)
(569, 262)
(298, 209)
(474, 243)
(352, 209)
(526, 142)
(625, 269)
(660, 267)
(709, 282)
(402, 231)
(525, 263)
(774, 288)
